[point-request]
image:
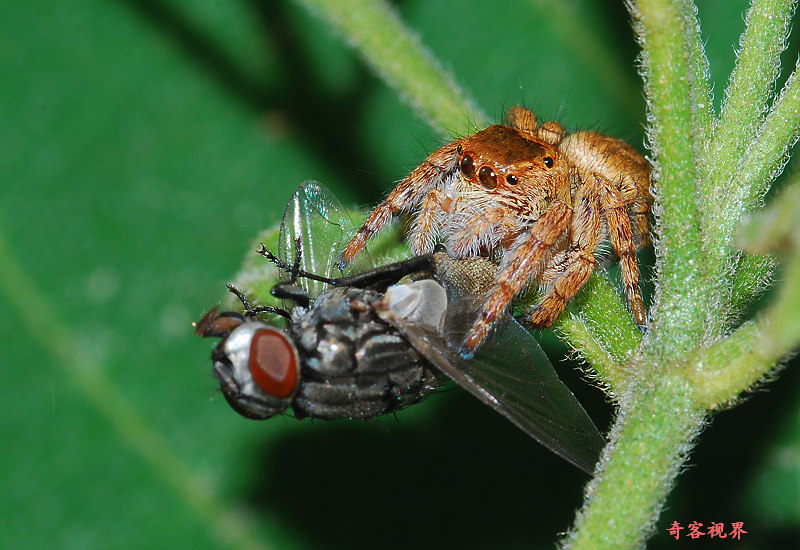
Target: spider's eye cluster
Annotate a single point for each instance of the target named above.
(486, 174)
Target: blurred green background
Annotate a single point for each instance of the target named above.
(144, 144)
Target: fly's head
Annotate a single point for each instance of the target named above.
(257, 365)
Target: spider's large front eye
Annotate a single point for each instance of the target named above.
(487, 177)
(468, 167)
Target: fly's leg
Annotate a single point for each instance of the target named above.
(408, 194)
(577, 265)
(251, 311)
(525, 262)
(293, 269)
(390, 274)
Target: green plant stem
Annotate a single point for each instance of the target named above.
(727, 197)
(650, 439)
(767, 155)
(700, 86)
(395, 52)
(663, 29)
(753, 275)
(774, 229)
(720, 372)
(758, 168)
(574, 329)
(746, 100)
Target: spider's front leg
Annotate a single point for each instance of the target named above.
(526, 262)
(408, 194)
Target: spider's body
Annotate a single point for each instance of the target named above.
(538, 200)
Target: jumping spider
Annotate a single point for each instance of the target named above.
(538, 200)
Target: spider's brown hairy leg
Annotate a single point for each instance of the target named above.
(526, 263)
(580, 261)
(407, 195)
(580, 266)
(377, 219)
(624, 179)
(620, 234)
(640, 221)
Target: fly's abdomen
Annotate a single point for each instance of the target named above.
(353, 365)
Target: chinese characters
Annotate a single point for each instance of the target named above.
(715, 530)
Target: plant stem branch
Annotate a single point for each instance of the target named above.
(395, 52)
(735, 364)
(720, 372)
(765, 158)
(746, 99)
(726, 196)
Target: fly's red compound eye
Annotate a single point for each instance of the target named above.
(273, 363)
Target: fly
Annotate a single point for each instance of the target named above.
(367, 344)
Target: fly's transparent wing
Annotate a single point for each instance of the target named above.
(511, 374)
(323, 226)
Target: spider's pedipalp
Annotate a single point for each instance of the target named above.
(474, 232)
(425, 229)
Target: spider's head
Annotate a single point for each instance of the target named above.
(505, 160)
